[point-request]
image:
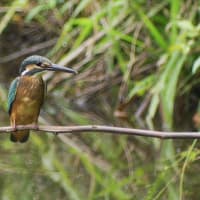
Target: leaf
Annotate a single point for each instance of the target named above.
(11, 11)
(196, 65)
(156, 34)
(185, 25)
(170, 78)
(35, 11)
(141, 87)
(81, 6)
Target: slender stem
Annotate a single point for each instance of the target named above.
(187, 159)
(105, 129)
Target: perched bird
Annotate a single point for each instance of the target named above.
(26, 94)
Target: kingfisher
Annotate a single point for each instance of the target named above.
(27, 92)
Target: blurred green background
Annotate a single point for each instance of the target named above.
(138, 64)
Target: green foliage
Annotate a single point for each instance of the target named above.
(138, 60)
(11, 11)
(196, 65)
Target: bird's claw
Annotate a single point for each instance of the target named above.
(14, 128)
(35, 126)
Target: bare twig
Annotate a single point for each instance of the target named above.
(105, 129)
(28, 50)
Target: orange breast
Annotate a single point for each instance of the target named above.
(28, 100)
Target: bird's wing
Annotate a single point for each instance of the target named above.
(45, 91)
(12, 93)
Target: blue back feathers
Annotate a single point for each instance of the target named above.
(12, 93)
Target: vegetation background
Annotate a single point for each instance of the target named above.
(138, 67)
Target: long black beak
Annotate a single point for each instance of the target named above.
(55, 67)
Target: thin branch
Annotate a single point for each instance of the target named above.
(105, 129)
(28, 50)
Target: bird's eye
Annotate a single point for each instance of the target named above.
(39, 64)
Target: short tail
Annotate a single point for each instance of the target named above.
(19, 136)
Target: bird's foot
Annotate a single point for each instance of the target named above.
(35, 126)
(14, 128)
